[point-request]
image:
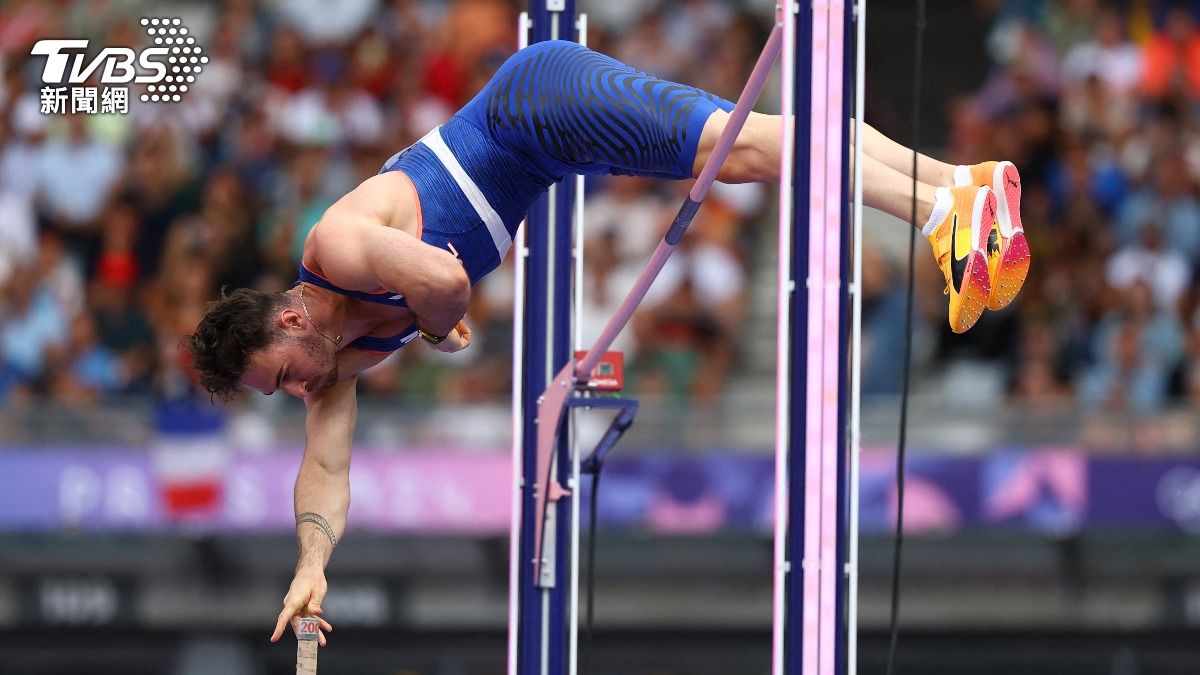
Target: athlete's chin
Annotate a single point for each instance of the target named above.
(326, 383)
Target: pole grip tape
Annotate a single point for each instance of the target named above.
(682, 219)
(307, 628)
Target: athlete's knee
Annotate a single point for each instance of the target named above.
(745, 166)
(754, 157)
(750, 163)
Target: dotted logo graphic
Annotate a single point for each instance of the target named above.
(185, 59)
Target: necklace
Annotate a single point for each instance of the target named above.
(335, 341)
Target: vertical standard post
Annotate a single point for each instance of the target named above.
(516, 535)
(793, 357)
(545, 348)
(813, 377)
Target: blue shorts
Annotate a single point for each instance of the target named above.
(572, 110)
(553, 109)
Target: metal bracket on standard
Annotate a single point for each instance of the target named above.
(551, 407)
(626, 410)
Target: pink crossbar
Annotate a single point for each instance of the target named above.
(552, 403)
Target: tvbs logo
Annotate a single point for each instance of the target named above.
(167, 69)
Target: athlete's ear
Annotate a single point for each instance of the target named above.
(289, 318)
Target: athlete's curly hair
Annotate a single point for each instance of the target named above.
(234, 327)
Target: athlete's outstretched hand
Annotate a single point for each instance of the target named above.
(304, 599)
(458, 338)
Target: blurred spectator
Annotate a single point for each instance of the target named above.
(476, 35)
(334, 112)
(1168, 201)
(207, 104)
(58, 273)
(1172, 57)
(123, 329)
(1165, 272)
(85, 369)
(648, 48)
(304, 195)
(1029, 72)
(1088, 173)
(116, 263)
(327, 22)
(682, 334)
(1138, 349)
(76, 174)
(34, 321)
(18, 231)
(629, 210)
(287, 62)
(227, 234)
(1109, 57)
(22, 22)
(685, 20)
(605, 286)
(23, 140)
(159, 188)
(372, 67)
(687, 323)
(1037, 380)
(1069, 23)
(883, 324)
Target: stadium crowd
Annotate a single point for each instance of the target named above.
(116, 229)
(1097, 103)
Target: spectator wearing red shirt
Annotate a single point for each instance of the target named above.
(1171, 59)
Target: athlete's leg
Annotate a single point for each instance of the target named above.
(957, 222)
(755, 157)
(900, 158)
(1008, 250)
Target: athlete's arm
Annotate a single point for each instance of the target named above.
(322, 498)
(357, 250)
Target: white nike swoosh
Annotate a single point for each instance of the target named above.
(397, 296)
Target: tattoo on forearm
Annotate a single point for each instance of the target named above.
(321, 523)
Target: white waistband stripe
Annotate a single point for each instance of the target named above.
(500, 237)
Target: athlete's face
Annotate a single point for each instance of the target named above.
(298, 362)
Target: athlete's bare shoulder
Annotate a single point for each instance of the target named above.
(388, 198)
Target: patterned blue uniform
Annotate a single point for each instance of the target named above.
(552, 110)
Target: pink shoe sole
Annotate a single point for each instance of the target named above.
(1013, 266)
(1010, 272)
(974, 294)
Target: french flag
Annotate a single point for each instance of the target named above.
(191, 455)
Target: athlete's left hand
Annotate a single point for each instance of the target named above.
(458, 339)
